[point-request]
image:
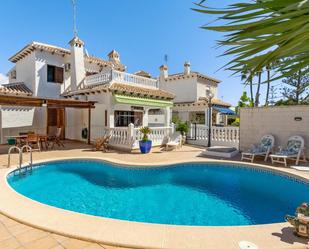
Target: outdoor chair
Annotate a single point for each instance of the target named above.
(102, 143)
(262, 149)
(294, 150)
(33, 140)
(56, 139)
(21, 141)
(175, 141)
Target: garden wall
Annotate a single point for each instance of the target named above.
(281, 121)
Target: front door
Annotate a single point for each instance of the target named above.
(56, 119)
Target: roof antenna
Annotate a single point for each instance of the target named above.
(74, 18)
(165, 59)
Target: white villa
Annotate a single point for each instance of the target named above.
(191, 100)
(120, 99)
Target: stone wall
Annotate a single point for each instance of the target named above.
(281, 121)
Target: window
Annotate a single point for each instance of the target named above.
(105, 117)
(124, 118)
(13, 74)
(54, 74)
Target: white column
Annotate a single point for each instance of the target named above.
(111, 118)
(218, 118)
(167, 117)
(145, 117)
(208, 116)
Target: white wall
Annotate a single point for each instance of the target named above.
(189, 89)
(22, 119)
(204, 85)
(278, 121)
(25, 71)
(44, 88)
(184, 89)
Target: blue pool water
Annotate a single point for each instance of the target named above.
(187, 194)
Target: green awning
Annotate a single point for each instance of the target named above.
(132, 100)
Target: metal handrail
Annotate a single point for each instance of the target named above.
(9, 155)
(26, 146)
(20, 152)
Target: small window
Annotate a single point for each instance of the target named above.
(105, 117)
(54, 74)
(13, 74)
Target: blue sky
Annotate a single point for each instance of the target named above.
(143, 31)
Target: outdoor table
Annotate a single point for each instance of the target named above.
(22, 139)
(18, 139)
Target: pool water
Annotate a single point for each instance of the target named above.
(187, 194)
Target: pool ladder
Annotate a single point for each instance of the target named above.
(20, 152)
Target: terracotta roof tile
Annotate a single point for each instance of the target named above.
(136, 90)
(203, 101)
(125, 89)
(18, 88)
(191, 75)
(59, 50)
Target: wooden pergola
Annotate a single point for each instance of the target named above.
(19, 100)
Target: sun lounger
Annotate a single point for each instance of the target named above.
(175, 141)
(102, 143)
(293, 151)
(262, 149)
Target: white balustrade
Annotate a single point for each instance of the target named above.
(224, 136)
(120, 77)
(128, 137)
(98, 79)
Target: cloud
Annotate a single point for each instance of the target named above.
(3, 79)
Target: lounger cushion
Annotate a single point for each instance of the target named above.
(293, 146)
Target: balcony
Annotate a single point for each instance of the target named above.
(120, 77)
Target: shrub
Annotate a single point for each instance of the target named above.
(145, 131)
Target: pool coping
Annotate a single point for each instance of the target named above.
(137, 234)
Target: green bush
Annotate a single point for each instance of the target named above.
(182, 127)
(236, 122)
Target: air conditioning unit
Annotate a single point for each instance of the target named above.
(67, 67)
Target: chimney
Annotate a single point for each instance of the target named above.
(114, 57)
(163, 72)
(77, 62)
(187, 69)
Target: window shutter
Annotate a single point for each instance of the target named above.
(59, 75)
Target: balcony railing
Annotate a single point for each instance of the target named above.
(120, 77)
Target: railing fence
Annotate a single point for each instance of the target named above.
(127, 138)
(220, 136)
(120, 77)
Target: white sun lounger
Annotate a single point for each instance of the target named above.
(262, 149)
(175, 141)
(294, 151)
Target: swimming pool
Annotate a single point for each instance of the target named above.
(185, 194)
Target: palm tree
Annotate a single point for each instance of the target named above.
(264, 31)
(257, 95)
(268, 85)
(247, 78)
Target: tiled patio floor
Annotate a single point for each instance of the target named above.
(16, 235)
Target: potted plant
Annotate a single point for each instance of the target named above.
(183, 128)
(145, 144)
(301, 220)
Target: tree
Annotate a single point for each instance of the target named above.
(261, 32)
(257, 95)
(297, 86)
(268, 85)
(247, 78)
(244, 101)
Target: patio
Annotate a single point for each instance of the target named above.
(16, 235)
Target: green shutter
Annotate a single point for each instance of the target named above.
(130, 100)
